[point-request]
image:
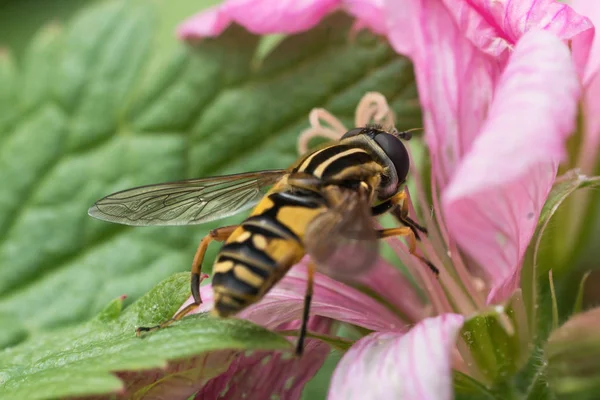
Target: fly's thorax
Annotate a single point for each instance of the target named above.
(346, 161)
(358, 158)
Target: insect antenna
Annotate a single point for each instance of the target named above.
(404, 135)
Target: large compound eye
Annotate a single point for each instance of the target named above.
(395, 150)
(352, 132)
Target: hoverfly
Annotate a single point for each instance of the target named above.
(322, 206)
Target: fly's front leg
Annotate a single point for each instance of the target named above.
(402, 213)
(412, 243)
(390, 203)
(219, 235)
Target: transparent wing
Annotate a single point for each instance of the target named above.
(192, 201)
(342, 241)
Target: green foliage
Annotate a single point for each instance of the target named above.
(466, 387)
(538, 297)
(78, 360)
(499, 340)
(572, 352)
(534, 267)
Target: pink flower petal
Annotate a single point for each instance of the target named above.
(279, 16)
(493, 203)
(590, 9)
(458, 51)
(369, 13)
(389, 365)
(495, 26)
(389, 283)
(590, 148)
(264, 375)
(258, 16)
(455, 80)
(284, 303)
(208, 23)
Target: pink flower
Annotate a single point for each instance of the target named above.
(265, 375)
(499, 88)
(279, 16)
(587, 159)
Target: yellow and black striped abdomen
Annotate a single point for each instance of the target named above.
(263, 248)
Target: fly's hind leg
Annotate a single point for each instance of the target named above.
(219, 235)
(306, 310)
(412, 243)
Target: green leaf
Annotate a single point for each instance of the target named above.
(573, 351)
(466, 387)
(553, 300)
(571, 230)
(534, 264)
(499, 340)
(78, 361)
(580, 293)
(538, 293)
(539, 389)
(103, 103)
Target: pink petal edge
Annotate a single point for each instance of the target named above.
(208, 23)
(493, 202)
(389, 365)
(369, 13)
(258, 16)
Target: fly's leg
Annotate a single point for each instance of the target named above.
(390, 203)
(306, 311)
(219, 235)
(401, 214)
(412, 243)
